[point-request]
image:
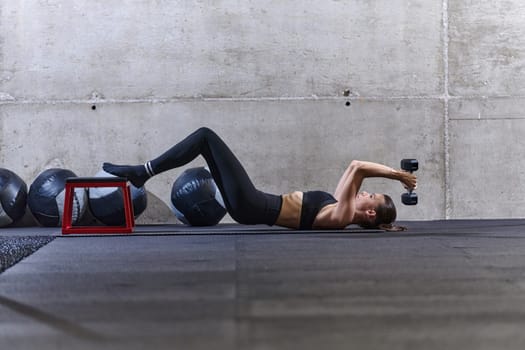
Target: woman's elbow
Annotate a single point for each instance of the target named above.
(356, 164)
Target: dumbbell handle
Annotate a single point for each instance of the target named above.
(410, 165)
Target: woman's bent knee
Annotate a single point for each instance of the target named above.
(206, 132)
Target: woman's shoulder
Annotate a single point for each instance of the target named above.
(327, 218)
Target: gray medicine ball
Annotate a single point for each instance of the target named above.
(13, 197)
(107, 203)
(46, 198)
(195, 198)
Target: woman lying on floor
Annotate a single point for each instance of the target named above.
(298, 210)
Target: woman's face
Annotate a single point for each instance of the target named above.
(367, 201)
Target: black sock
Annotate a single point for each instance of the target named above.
(136, 174)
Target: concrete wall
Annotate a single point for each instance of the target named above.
(82, 82)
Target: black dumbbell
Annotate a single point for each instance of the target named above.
(411, 165)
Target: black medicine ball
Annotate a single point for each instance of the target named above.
(196, 199)
(46, 197)
(13, 197)
(107, 203)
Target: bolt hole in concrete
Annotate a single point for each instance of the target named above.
(94, 107)
(346, 93)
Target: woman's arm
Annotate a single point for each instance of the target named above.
(369, 169)
(351, 182)
(342, 213)
(346, 179)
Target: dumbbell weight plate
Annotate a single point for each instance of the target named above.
(409, 198)
(409, 164)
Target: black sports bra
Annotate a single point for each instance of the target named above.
(313, 202)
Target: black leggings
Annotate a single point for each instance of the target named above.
(245, 204)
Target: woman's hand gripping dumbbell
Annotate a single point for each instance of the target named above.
(409, 166)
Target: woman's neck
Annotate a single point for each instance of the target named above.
(359, 217)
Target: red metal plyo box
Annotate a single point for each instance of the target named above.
(88, 182)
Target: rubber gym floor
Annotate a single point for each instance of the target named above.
(439, 285)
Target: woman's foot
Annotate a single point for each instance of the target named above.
(136, 174)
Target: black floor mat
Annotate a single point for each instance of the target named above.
(222, 229)
(14, 249)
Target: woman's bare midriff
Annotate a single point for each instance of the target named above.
(290, 215)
